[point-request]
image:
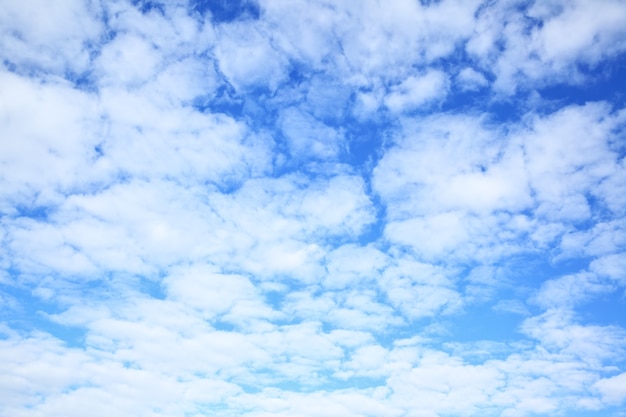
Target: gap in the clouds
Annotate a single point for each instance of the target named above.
(468, 101)
(226, 185)
(147, 6)
(322, 379)
(366, 151)
(224, 11)
(529, 271)
(223, 325)
(30, 316)
(153, 287)
(274, 298)
(604, 82)
(72, 336)
(9, 66)
(479, 100)
(517, 281)
(225, 100)
(501, 110)
(600, 211)
(297, 73)
(374, 232)
(99, 152)
(562, 265)
(30, 71)
(605, 411)
(428, 3)
(82, 82)
(482, 102)
(365, 142)
(484, 323)
(606, 309)
(35, 212)
(334, 383)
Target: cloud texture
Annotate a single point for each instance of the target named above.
(308, 208)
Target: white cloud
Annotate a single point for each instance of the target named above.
(613, 389)
(529, 49)
(612, 189)
(128, 60)
(247, 58)
(393, 37)
(304, 29)
(40, 159)
(601, 239)
(50, 35)
(431, 236)
(471, 80)
(570, 290)
(341, 204)
(366, 104)
(184, 81)
(327, 99)
(205, 218)
(419, 290)
(351, 265)
(567, 154)
(417, 91)
(450, 162)
(310, 138)
(557, 331)
(441, 384)
(212, 293)
(448, 182)
(613, 266)
(368, 361)
(599, 31)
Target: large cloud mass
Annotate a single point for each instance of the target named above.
(307, 208)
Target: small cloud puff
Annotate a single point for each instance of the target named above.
(417, 91)
(471, 80)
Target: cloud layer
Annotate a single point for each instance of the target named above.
(302, 208)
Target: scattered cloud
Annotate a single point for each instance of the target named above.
(298, 208)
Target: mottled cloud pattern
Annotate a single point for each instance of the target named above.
(303, 208)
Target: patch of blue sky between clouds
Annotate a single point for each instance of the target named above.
(278, 208)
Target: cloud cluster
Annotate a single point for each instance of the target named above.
(310, 208)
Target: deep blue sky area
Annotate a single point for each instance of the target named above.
(223, 11)
(296, 208)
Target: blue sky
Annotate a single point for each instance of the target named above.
(312, 209)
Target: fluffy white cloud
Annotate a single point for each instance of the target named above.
(419, 290)
(612, 389)
(129, 60)
(248, 58)
(316, 209)
(40, 159)
(567, 154)
(452, 162)
(557, 330)
(613, 266)
(214, 294)
(417, 91)
(310, 138)
(530, 48)
(50, 35)
(470, 79)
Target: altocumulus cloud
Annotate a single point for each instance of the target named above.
(304, 208)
